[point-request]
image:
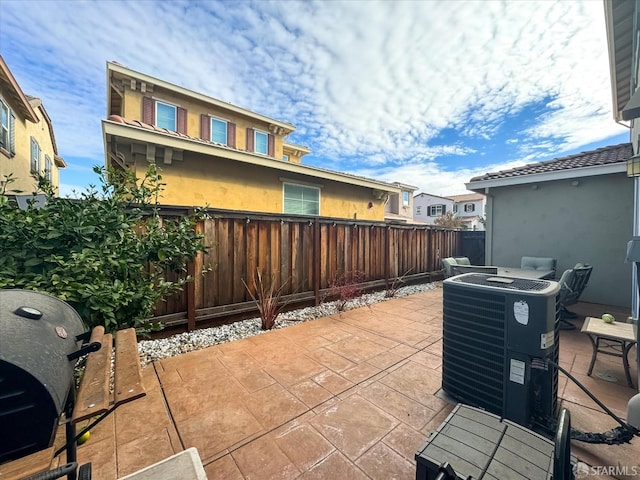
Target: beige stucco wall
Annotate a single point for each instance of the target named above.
(132, 110)
(227, 184)
(19, 165)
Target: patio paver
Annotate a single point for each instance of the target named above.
(346, 396)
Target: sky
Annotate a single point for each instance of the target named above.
(427, 93)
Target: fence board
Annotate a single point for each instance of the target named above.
(307, 253)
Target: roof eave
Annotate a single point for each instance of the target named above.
(122, 70)
(147, 136)
(26, 108)
(481, 185)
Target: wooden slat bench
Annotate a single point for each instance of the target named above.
(95, 399)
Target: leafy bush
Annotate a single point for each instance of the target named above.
(267, 298)
(345, 287)
(106, 253)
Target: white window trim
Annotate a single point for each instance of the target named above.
(301, 184)
(255, 141)
(7, 146)
(469, 207)
(405, 203)
(175, 116)
(48, 168)
(432, 209)
(285, 157)
(226, 131)
(36, 170)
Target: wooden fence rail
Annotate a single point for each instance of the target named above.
(303, 254)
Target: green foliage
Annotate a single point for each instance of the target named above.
(106, 253)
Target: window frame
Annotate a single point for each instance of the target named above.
(405, 199)
(48, 168)
(469, 207)
(226, 130)
(175, 115)
(303, 186)
(34, 160)
(433, 210)
(5, 131)
(418, 208)
(285, 157)
(255, 142)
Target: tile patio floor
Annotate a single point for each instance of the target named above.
(350, 396)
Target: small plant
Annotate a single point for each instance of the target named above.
(346, 287)
(267, 298)
(392, 289)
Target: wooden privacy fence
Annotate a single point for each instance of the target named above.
(304, 254)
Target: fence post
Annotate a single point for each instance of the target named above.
(316, 260)
(191, 286)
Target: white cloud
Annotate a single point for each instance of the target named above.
(372, 80)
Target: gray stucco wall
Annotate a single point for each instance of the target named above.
(589, 223)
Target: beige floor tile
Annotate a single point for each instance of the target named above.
(400, 406)
(262, 459)
(360, 372)
(143, 451)
(354, 425)
(414, 381)
(330, 359)
(303, 445)
(224, 468)
(383, 463)
(274, 406)
(336, 466)
(356, 349)
(294, 371)
(332, 382)
(406, 441)
(310, 393)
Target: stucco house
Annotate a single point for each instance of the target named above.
(428, 207)
(399, 207)
(575, 209)
(224, 156)
(27, 143)
(469, 208)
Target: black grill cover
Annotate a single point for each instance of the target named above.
(37, 332)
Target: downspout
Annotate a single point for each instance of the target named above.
(488, 236)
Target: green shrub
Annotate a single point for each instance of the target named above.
(105, 253)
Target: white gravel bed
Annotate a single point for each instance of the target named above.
(151, 350)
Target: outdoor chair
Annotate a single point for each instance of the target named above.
(460, 269)
(538, 263)
(448, 262)
(572, 284)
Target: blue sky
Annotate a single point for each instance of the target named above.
(428, 93)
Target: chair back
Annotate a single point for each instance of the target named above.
(573, 282)
(449, 262)
(460, 269)
(538, 263)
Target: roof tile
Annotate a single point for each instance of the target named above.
(601, 156)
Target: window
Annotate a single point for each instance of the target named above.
(285, 158)
(418, 210)
(7, 128)
(469, 207)
(261, 143)
(405, 199)
(455, 208)
(301, 199)
(219, 131)
(166, 116)
(48, 168)
(436, 210)
(35, 156)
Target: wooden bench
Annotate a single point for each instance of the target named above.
(95, 399)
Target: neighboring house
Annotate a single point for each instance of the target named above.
(399, 208)
(27, 144)
(470, 208)
(622, 20)
(427, 207)
(575, 209)
(213, 153)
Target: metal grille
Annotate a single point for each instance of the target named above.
(521, 284)
(473, 352)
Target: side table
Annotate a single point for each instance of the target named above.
(615, 339)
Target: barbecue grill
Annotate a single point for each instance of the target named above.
(40, 342)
